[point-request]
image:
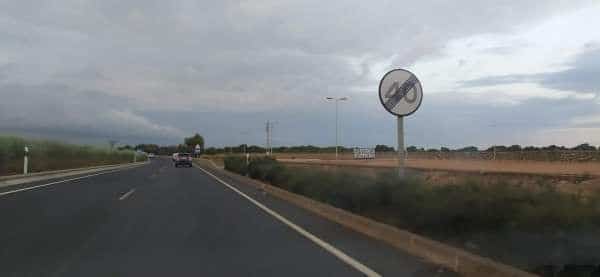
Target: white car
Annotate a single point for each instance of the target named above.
(151, 155)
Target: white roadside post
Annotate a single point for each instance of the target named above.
(400, 93)
(26, 161)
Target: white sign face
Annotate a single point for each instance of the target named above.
(400, 92)
(197, 146)
(364, 153)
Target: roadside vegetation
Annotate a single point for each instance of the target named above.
(485, 218)
(52, 155)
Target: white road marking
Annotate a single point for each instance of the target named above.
(328, 247)
(127, 194)
(58, 182)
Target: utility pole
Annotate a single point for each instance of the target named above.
(112, 144)
(336, 121)
(267, 144)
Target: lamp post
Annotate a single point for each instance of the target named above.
(338, 99)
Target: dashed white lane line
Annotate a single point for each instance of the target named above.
(127, 194)
(323, 244)
(57, 182)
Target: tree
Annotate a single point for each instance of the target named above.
(584, 147)
(194, 140)
(497, 148)
(530, 148)
(553, 148)
(383, 148)
(468, 149)
(148, 148)
(126, 147)
(112, 143)
(412, 149)
(445, 149)
(514, 148)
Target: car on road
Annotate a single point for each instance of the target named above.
(183, 159)
(151, 155)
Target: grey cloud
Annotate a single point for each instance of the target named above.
(58, 109)
(230, 58)
(502, 80)
(441, 120)
(581, 76)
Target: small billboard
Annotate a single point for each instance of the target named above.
(364, 153)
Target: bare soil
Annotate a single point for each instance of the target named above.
(577, 178)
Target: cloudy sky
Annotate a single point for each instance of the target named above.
(154, 71)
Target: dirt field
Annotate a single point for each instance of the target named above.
(577, 178)
(572, 177)
(519, 167)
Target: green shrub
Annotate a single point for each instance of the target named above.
(236, 164)
(440, 211)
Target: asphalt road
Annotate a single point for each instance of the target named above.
(157, 220)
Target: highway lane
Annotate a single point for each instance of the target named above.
(157, 220)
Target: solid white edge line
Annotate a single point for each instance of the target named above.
(127, 194)
(328, 247)
(63, 181)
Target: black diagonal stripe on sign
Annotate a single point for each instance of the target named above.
(400, 92)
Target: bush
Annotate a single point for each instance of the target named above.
(440, 211)
(236, 164)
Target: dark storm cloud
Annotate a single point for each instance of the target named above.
(59, 110)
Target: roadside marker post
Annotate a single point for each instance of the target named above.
(400, 93)
(26, 161)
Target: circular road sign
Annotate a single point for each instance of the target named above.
(400, 92)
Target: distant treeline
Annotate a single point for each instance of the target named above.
(189, 143)
(243, 148)
(503, 148)
(385, 148)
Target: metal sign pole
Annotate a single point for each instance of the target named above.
(401, 152)
(336, 128)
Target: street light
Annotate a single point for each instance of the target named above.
(336, 120)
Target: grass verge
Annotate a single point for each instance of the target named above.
(47, 155)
